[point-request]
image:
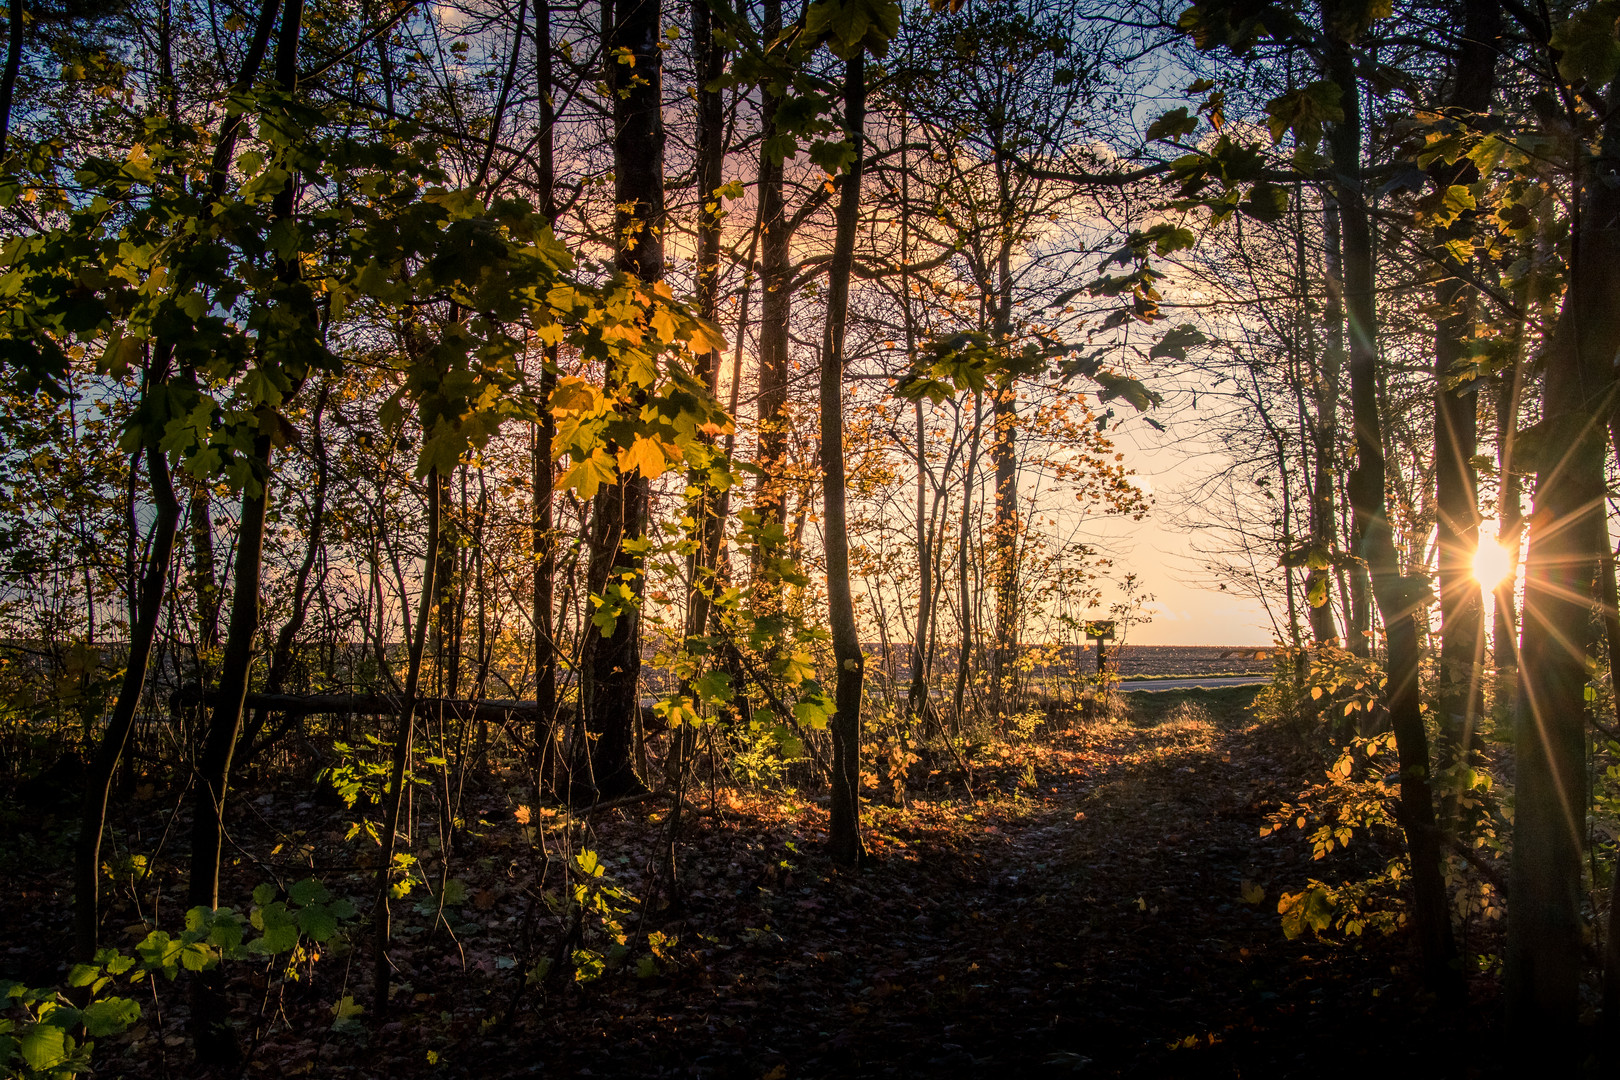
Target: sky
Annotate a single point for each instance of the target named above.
(1188, 607)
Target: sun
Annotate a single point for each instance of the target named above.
(1493, 563)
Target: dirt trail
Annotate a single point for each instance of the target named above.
(1093, 926)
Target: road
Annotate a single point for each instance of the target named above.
(1193, 682)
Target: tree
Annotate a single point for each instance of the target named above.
(610, 689)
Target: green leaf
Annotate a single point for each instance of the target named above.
(1588, 44)
(815, 710)
(279, 930)
(160, 954)
(309, 891)
(317, 922)
(109, 1016)
(1266, 202)
(1304, 111)
(714, 688)
(1172, 125)
(588, 475)
(44, 1046)
(794, 668)
(1177, 341)
(833, 157)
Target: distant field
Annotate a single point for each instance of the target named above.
(1138, 660)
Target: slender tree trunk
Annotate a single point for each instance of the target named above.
(1568, 534)
(1004, 456)
(281, 656)
(1398, 599)
(382, 921)
(204, 575)
(611, 688)
(964, 655)
(8, 79)
(98, 783)
(709, 58)
(1456, 411)
(1510, 517)
(776, 278)
(1323, 434)
(543, 543)
(1359, 613)
(216, 1041)
(844, 841)
(225, 720)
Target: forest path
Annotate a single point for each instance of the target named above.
(1085, 916)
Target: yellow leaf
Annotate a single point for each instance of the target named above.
(643, 454)
(663, 325)
(574, 395)
(589, 475)
(706, 337)
(1252, 893)
(551, 333)
(1316, 692)
(563, 297)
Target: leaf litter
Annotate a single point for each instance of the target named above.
(1101, 902)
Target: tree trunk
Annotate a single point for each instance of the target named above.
(225, 719)
(8, 79)
(281, 656)
(1456, 410)
(1568, 533)
(382, 922)
(1398, 600)
(709, 58)
(98, 782)
(544, 546)
(1510, 515)
(1004, 456)
(1323, 433)
(216, 1041)
(844, 841)
(964, 652)
(776, 277)
(610, 689)
(204, 576)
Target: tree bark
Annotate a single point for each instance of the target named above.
(225, 719)
(281, 655)
(1510, 515)
(1568, 533)
(844, 841)
(544, 547)
(8, 79)
(610, 689)
(98, 783)
(1396, 595)
(1461, 696)
(382, 919)
(1323, 434)
(1004, 456)
(776, 278)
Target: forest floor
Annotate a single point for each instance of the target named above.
(1093, 908)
